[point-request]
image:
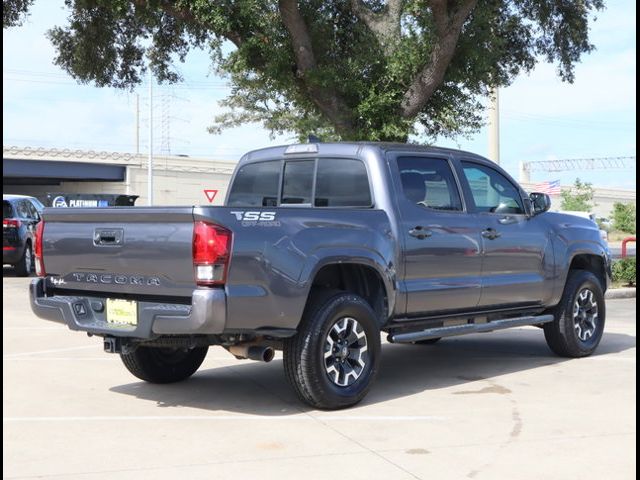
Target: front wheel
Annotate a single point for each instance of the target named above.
(333, 360)
(163, 365)
(579, 317)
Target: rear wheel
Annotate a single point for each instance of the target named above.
(163, 365)
(333, 360)
(579, 317)
(25, 266)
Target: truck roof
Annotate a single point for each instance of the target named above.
(352, 149)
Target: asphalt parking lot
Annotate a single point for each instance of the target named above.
(494, 406)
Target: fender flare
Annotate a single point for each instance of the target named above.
(359, 256)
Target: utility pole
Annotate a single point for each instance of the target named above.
(494, 126)
(150, 171)
(137, 124)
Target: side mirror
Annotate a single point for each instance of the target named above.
(540, 203)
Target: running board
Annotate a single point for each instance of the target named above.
(439, 332)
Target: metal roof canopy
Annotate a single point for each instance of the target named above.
(16, 171)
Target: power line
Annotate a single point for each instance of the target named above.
(30, 76)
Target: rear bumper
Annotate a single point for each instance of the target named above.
(205, 316)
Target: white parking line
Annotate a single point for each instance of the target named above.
(223, 418)
(40, 352)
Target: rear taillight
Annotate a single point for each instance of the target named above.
(10, 222)
(211, 251)
(40, 271)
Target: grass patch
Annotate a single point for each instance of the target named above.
(616, 236)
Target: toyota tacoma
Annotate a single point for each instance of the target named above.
(318, 249)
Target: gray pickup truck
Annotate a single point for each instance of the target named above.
(318, 249)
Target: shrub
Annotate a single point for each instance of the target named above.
(624, 270)
(624, 217)
(579, 198)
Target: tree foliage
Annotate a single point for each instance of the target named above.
(579, 198)
(343, 69)
(14, 12)
(624, 217)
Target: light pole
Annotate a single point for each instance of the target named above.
(150, 166)
(494, 126)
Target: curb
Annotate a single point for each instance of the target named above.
(616, 293)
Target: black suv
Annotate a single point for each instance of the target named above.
(20, 215)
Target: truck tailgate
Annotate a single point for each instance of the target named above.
(143, 251)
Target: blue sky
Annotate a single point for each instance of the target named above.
(542, 118)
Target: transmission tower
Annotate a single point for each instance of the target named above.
(569, 164)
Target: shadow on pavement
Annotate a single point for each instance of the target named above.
(261, 389)
(8, 272)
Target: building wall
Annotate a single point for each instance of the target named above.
(177, 188)
(176, 180)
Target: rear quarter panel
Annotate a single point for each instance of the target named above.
(274, 262)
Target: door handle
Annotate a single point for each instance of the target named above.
(420, 232)
(491, 233)
(108, 237)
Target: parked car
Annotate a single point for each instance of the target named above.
(318, 249)
(20, 216)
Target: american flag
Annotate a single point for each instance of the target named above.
(551, 187)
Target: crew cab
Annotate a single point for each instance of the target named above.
(319, 248)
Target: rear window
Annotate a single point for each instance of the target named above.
(342, 183)
(7, 211)
(297, 182)
(256, 185)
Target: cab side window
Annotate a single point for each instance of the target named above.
(492, 192)
(429, 183)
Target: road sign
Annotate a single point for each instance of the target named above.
(210, 194)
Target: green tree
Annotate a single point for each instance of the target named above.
(579, 198)
(14, 12)
(624, 217)
(342, 69)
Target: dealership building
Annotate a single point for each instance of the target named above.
(177, 180)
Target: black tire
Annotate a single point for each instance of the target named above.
(431, 341)
(163, 365)
(24, 267)
(562, 335)
(305, 362)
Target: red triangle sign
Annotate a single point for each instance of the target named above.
(210, 194)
